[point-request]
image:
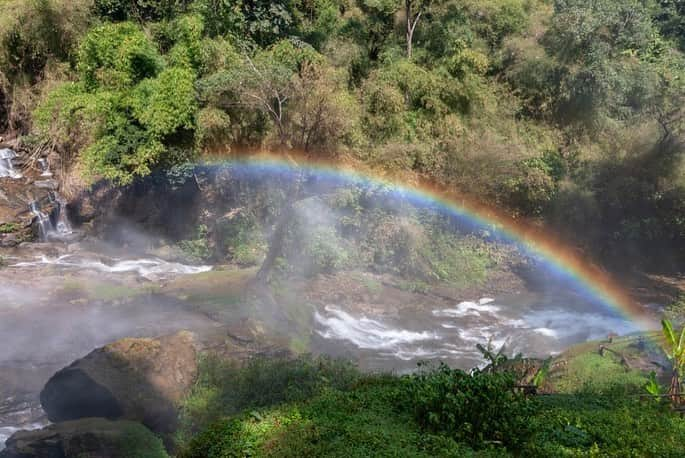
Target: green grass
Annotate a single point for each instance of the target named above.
(361, 422)
(593, 372)
(280, 408)
(588, 425)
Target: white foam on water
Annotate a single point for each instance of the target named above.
(150, 269)
(366, 333)
(7, 431)
(6, 167)
(454, 332)
(547, 332)
(562, 324)
(468, 308)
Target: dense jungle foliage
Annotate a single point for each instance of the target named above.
(568, 111)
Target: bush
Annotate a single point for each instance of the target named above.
(610, 426)
(139, 442)
(476, 408)
(197, 249)
(121, 10)
(34, 31)
(166, 103)
(117, 56)
(324, 252)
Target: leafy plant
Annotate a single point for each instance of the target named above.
(675, 351)
(477, 408)
(653, 387)
(197, 249)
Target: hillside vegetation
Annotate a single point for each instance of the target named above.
(325, 408)
(567, 111)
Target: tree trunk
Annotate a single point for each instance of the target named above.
(411, 25)
(410, 29)
(674, 389)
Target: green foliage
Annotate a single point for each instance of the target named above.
(653, 387)
(121, 10)
(475, 408)
(592, 426)
(334, 411)
(425, 252)
(226, 389)
(568, 111)
(324, 251)
(591, 372)
(166, 103)
(535, 185)
(138, 442)
(242, 239)
(8, 228)
(32, 32)
(197, 249)
(675, 312)
(117, 56)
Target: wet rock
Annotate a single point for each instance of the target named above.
(136, 379)
(46, 184)
(91, 437)
(9, 240)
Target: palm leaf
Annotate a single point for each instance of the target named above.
(667, 328)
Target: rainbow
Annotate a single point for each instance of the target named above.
(565, 262)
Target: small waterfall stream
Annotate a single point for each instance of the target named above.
(7, 166)
(45, 226)
(47, 229)
(44, 167)
(63, 225)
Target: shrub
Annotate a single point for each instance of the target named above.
(34, 31)
(166, 103)
(139, 442)
(121, 10)
(197, 249)
(117, 56)
(603, 426)
(324, 252)
(476, 408)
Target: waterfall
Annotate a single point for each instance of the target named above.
(45, 227)
(6, 166)
(63, 224)
(44, 167)
(47, 230)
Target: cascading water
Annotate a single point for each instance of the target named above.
(63, 225)
(6, 165)
(47, 230)
(44, 167)
(45, 227)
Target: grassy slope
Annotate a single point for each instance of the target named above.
(593, 413)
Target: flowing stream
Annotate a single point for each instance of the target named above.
(533, 324)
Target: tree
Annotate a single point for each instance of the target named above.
(413, 10)
(675, 351)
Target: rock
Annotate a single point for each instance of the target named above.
(9, 240)
(46, 184)
(91, 437)
(135, 379)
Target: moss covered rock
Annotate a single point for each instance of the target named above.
(88, 437)
(138, 379)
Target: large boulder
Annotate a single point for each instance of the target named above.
(138, 379)
(89, 437)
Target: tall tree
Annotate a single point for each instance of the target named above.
(413, 10)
